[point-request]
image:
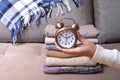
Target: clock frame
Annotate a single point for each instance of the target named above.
(66, 29)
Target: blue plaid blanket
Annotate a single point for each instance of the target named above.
(17, 14)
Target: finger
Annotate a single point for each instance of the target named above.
(76, 50)
(73, 51)
(60, 48)
(81, 38)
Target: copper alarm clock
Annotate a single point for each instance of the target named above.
(66, 36)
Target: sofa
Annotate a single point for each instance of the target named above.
(25, 59)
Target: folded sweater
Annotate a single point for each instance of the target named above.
(73, 69)
(87, 31)
(76, 61)
(58, 54)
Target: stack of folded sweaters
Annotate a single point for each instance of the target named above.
(59, 62)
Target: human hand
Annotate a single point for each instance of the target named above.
(86, 49)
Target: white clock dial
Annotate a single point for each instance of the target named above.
(66, 39)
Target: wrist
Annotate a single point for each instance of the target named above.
(92, 51)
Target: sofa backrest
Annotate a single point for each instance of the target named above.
(107, 20)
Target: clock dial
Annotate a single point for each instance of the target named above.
(66, 39)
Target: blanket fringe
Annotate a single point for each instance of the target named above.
(44, 9)
(78, 2)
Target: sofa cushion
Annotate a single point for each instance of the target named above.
(30, 67)
(111, 46)
(82, 15)
(107, 20)
(20, 67)
(3, 48)
(25, 48)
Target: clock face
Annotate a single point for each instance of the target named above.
(66, 39)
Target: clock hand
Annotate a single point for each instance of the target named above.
(62, 35)
(66, 40)
(68, 36)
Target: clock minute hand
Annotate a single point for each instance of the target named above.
(63, 35)
(66, 40)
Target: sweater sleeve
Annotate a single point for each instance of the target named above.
(107, 57)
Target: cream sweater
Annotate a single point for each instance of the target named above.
(107, 57)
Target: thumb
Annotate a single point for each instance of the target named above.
(81, 38)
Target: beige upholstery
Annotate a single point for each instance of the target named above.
(28, 65)
(107, 20)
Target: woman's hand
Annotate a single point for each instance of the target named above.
(86, 49)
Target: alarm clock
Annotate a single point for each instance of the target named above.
(66, 35)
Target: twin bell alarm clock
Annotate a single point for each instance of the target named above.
(66, 35)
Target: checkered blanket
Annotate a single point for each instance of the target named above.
(17, 14)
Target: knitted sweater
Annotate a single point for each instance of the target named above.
(107, 57)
